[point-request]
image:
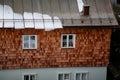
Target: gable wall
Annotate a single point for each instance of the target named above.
(92, 49)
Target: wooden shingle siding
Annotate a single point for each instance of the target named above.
(91, 49)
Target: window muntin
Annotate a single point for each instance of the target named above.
(64, 76)
(68, 41)
(26, 77)
(29, 77)
(81, 76)
(29, 41)
(60, 77)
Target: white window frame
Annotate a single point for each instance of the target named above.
(63, 73)
(74, 39)
(29, 42)
(29, 74)
(83, 72)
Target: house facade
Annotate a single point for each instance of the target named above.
(55, 39)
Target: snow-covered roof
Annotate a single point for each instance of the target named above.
(52, 14)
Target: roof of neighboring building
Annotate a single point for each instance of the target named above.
(45, 13)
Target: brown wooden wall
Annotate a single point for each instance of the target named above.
(92, 49)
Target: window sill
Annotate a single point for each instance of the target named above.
(29, 48)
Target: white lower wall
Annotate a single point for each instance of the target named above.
(94, 73)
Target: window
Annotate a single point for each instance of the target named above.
(81, 76)
(64, 76)
(29, 77)
(29, 41)
(68, 41)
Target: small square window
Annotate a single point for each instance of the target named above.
(29, 77)
(68, 41)
(29, 42)
(64, 76)
(81, 76)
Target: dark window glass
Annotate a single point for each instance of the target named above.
(32, 37)
(71, 41)
(64, 41)
(32, 77)
(78, 76)
(60, 77)
(84, 76)
(66, 77)
(26, 77)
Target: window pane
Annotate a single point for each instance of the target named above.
(60, 77)
(26, 45)
(70, 40)
(77, 76)
(29, 41)
(26, 41)
(32, 41)
(26, 77)
(32, 37)
(66, 77)
(32, 77)
(64, 44)
(32, 45)
(26, 38)
(84, 76)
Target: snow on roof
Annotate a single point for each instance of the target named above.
(80, 5)
(52, 14)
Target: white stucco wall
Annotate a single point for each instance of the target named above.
(94, 73)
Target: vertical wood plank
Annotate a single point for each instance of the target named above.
(37, 14)
(8, 14)
(28, 13)
(1, 13)
(18, 14)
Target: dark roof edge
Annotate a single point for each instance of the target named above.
(113, 26)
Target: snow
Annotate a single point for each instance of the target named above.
(48, 22)
(38, 20)
(28, 20)
(18, 21)
(8, 17)
(57, 22)
(1, 16)
(80, 5)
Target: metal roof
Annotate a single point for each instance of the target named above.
(45, 13)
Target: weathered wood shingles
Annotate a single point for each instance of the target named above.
(66, 10)
(91, 50)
